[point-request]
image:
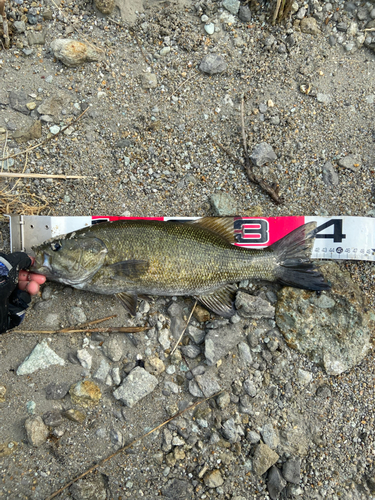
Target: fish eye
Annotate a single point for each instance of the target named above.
(56, 246)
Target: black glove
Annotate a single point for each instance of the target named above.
(13, 301)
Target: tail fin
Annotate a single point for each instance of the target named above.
(293, 258)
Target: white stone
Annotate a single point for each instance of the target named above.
(41, 357)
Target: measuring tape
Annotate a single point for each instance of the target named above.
(339, 238)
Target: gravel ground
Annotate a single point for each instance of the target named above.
(161, 137)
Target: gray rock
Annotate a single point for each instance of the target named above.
(138, 384)
(332, 40)
(36, 431)
(116, 438)
(343, 27)
(116, 375)
(105, 6)
(102, 371)
(18, 101)
(213, 64)
(53, 418)
(253, 307)
(232, 6)
(149, 80)
(85, 358)
(112, 348)
(264, 458)
(270, 436)
(231, 431)
(275, 483)
(204, 386)
(178, 489)
(336, 337)
(292, 470)
(72, 52)
(41, 357)
(253, 437)
(245, 353)
(244, 13)
(223, 400)
(352, 162)
(175, 312)
(19, 26)
(219, 342)
(36, 37)
(92, 487)
(57, 391)
(250, 387)
(323, 98)
(77, 315)
(309, 26)
(223, 204)
(196, 334)
(262, 153)
(330, 176)
(52, 106)
(191, 351)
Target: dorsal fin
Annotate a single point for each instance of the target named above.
(224, 226)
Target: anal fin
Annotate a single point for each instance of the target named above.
(220, 301)
(129, 301)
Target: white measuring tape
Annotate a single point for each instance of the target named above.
(339, 238)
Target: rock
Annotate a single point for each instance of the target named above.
(244, 13)
(138, 384)
(56, 390)
(19, 26)
(73, 53)
(105, 6)
(204, 385)
(53, 418)
(232, 6)
(76, 314)
(352, 162)
(178, 489)
(330, 176)
(223, 400)
(213, 64)
(245, 353)
(51, 106)
(264, 458)
(3, 391)
(323, 98)
(209, 28)
(41, 357)
(253, 437)
(223, 204)
(85, 358)
(213, 479)
(102, 371)
(36, 431)
(93, 487)
(164, 338)
(219, 342)
(29, 133)
(112, 348)
(250, 387)
(196, 334)
(115, 372)
(292, 470)
(155, 366)
(253, 307)
(231, 431)
(201, 314)
(333, 329)
(149, 80)
(85, 393)
(175, 312)
(191, 351)
(75, 416)
(36, 37)
(262, 153)
(18, 101)
(304, 377)
(309, 26)
(275, 483)
(270, 436)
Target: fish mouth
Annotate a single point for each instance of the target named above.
(41, 266)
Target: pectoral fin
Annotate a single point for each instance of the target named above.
(129, 301)
(220, 301)
(129, 269)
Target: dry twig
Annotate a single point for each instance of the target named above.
(42, 176)
(184, 330)
(3, 14)
(135, 441)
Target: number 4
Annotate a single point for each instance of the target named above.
(337, 235)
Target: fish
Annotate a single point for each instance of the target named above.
(128, 258)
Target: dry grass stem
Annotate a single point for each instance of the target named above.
(184, 330)
(42, 176)
(132, 443)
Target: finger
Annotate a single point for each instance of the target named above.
(30, 287)
(38, 278)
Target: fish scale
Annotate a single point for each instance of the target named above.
(199, 259)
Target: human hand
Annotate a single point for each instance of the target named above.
(30, 282)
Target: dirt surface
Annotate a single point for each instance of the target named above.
(159, 138)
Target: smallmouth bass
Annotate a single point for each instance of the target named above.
(127, 258)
